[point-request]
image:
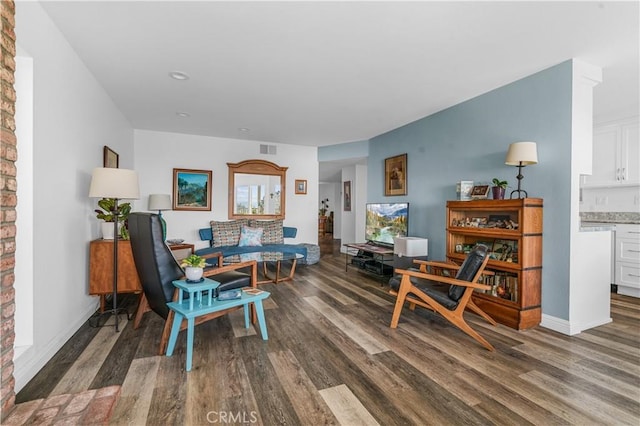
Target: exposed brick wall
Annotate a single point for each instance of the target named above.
(8, 201)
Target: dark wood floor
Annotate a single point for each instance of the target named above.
(331, 358)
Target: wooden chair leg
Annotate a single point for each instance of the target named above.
(143, 307)
(462, 325)
(166, 331)
(473, 307)
(402, 295)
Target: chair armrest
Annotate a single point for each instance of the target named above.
(444, 280)
(444, 265)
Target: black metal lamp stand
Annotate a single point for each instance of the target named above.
(114, 307)
(519, 177)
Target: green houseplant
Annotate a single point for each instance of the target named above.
(499, 188)
(193, 267)
(106, 213)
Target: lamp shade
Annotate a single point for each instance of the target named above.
(522, 153)
(159, 202)
(109, 182)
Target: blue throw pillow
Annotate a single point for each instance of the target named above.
(250, 237)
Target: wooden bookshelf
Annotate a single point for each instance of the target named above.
(512, 229)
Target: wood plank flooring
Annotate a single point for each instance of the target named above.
(331, 358)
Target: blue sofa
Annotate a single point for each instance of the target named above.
(288, 232)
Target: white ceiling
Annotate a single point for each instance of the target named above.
(321, 73)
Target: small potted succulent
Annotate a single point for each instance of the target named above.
(498, 189)
(193, 267)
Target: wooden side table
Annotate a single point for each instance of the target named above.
(101, 269)
(182, 250)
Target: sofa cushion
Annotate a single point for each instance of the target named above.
(250, 237)
(226, 233)
(272, 230)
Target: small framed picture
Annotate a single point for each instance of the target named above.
(110, 158)
(347, 196)
(301, 186)
(480, 192)
(192, 189)
(395, 175)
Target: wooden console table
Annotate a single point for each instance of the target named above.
(101, 269)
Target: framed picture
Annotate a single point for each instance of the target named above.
(395, 175)
(191, 189)
(301, 186)
(110, 158)
(480, 192)
(505, 250)
(347, 196)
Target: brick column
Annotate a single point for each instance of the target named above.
(8, 201)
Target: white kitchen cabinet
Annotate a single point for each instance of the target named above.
(628, 259)
(616, 154)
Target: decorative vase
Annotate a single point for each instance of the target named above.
(193, 274)
(107, 230)
(498, 192)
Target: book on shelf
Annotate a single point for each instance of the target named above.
(503, 285)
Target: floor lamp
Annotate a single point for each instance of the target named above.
(160, 202)
(117, 184)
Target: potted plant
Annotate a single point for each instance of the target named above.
(498, 189)
(324, 208)
(193, 267)
(106, 213)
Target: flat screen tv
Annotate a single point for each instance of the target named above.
(385, 221)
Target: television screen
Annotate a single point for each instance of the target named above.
(385, 221)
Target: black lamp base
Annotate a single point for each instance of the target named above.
(99, 319)
(519, 191)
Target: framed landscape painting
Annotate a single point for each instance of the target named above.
(192, 189)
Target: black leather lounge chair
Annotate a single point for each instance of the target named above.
(157, 269)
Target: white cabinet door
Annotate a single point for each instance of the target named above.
(630, 153)
(606, 145)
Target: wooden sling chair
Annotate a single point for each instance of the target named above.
(157, 269)
(443, 294)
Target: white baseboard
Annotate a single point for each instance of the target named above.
(569, 328)
(30, 361)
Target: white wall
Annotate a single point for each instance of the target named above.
(158, 153)
(72, 119)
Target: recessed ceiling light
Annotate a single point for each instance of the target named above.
(243, 129)
(183, 114)
(179, 75)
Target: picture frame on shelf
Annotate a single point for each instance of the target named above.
(301, 186)
(480, 192)
(192, 189)
(395, 175)
(505, 251)
(110, 158)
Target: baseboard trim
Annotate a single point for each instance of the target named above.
(569, 328)
(31, 361)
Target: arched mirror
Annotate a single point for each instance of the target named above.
(257, 189)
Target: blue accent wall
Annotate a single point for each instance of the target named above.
(469, 141)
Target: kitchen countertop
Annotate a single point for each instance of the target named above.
(597, 218)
